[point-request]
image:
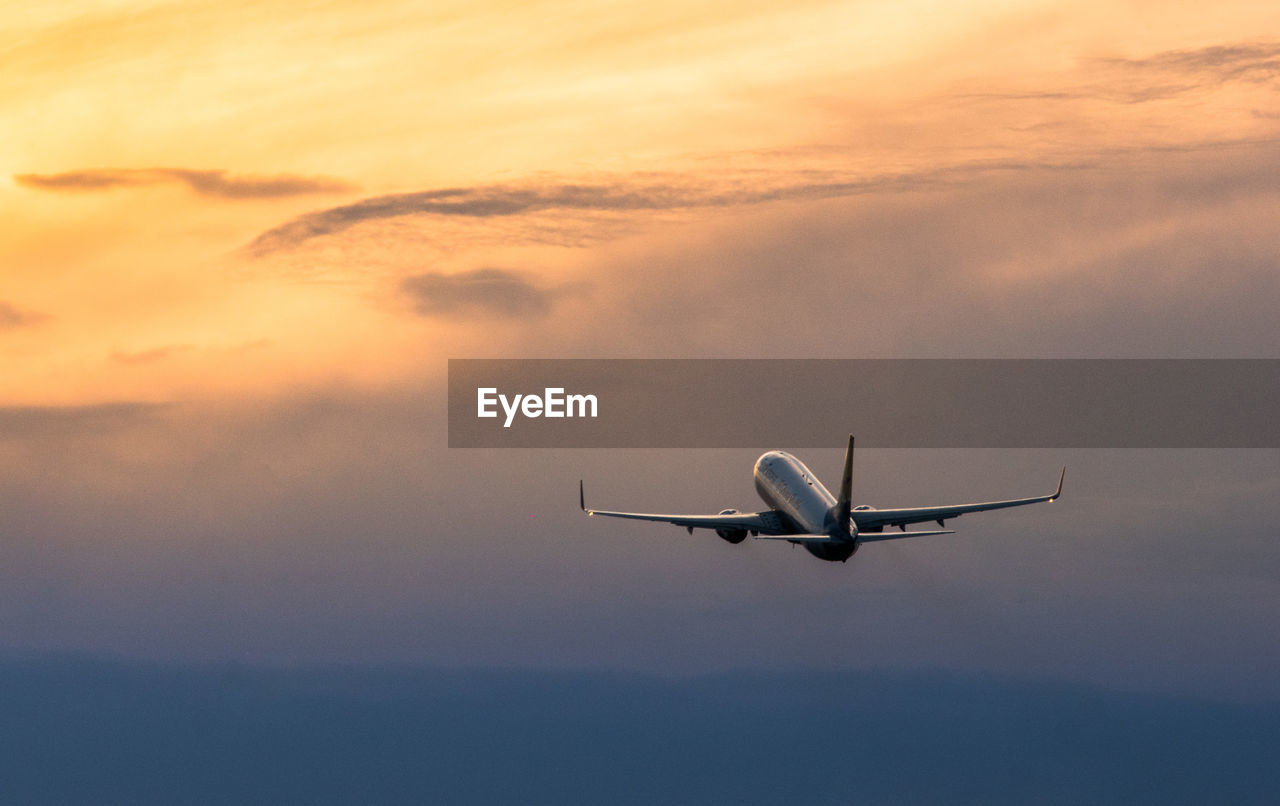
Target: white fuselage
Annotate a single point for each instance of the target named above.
(784, 483)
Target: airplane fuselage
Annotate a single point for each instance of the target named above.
(785, 484)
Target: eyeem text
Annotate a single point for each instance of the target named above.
(553, 402)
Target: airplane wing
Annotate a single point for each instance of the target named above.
(870, 521)
(769, 522)
(865, 538)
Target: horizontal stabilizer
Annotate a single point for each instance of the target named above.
(872, 537)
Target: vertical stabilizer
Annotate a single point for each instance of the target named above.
(844, 503)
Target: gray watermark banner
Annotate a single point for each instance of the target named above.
(887, 403)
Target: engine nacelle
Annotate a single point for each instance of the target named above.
(734, 536)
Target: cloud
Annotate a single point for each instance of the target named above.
(1175, 72)
(628, 194)
(1162, 75)
(12, 318)
(491, 292)
(624, 194)
(1162, 253)
(218, 184)
(23, 423)
(333, 524)
(1221, 63)
(149, 356)
(476, 202)
(1124, 81)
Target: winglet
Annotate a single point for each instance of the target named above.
(1058, 492)
(844, 504)
(582, 497)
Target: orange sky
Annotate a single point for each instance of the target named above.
(126, 271)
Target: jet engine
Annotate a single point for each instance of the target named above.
(734, 536)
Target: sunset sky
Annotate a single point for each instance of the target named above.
(184, 215)
(241, 240)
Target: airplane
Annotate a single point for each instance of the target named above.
(803, 512)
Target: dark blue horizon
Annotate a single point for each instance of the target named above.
(80, 729)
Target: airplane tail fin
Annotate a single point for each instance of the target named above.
(844, 503)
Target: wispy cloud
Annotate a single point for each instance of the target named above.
(485, 292)
(12, 317)
(474, 202)
(1161, 75)
(214, 183)
(623, 194)
(149, 356)
(1254, 62)
(776, 177)
(1175, 72)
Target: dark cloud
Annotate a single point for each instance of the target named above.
(1252, 62)
(632, 193)
(492, 292)
(476, 202)
(207, 183)
(12, 317)
(1161, 75)
(87, 180)
(623, 195)
(1175, 72)
(25, 422)
(626, 194)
